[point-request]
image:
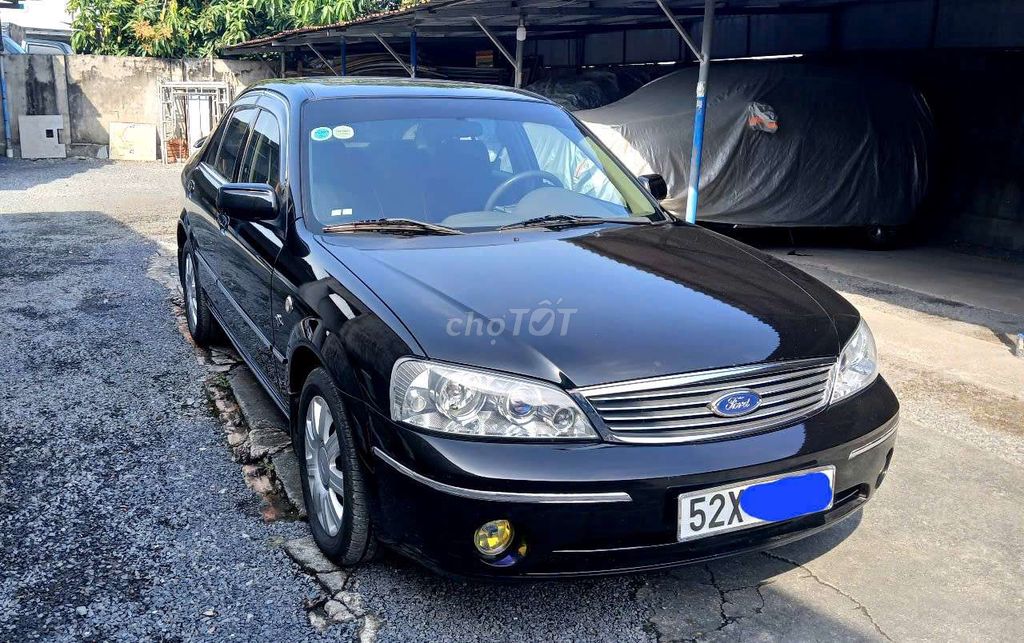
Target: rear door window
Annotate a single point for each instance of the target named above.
(213, 146)
(263, 156)
(235, 135)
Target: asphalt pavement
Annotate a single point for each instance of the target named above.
(124, 517)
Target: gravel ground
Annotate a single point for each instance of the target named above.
(123, 516)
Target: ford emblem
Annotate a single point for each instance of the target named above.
(735, 403)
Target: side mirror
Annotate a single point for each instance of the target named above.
(247, 201)
(655, 184)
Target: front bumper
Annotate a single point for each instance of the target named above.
(585, 509)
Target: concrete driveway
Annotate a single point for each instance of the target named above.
(123, 516)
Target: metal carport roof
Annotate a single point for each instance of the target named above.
(454, 18)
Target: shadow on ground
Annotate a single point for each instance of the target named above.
(122, 516)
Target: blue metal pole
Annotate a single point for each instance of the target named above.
(3, 99)
(344, 58)
(412, 52)
(693, 186)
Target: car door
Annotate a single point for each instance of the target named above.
(217, 167)
(250, 248)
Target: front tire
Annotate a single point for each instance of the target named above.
(333, 481)
(201, 324)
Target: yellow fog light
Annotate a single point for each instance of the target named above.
(494, 537)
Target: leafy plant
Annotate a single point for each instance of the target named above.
(179, 28)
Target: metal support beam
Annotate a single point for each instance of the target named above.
(517, 60)
(412, 52)
(693, 186)
(394, 55)
(344, 58)
(685, 35)
(520, 41)
(322, 59)
(494, 40)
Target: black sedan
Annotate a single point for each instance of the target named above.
(500, 355)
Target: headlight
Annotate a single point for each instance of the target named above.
(858, 364)
(467, 401)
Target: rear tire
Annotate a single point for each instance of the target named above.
(333, 479)
(201, 324)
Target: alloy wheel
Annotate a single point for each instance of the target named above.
(326, 482)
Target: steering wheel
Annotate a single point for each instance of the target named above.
(522, 176)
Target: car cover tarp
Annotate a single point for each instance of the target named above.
(785, 144)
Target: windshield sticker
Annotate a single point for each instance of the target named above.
(321, 134)
(341, 212)
(344, 132)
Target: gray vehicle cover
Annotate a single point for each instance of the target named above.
(785, 143)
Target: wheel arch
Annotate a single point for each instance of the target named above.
(312, 347)
(182, 234)
(304, 360)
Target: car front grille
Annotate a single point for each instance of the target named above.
(677, 408)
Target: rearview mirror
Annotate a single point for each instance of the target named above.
(247, 201)
(655, 184)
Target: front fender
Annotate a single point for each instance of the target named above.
(311, 343)
(357, 348)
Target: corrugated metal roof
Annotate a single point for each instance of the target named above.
(454, 18)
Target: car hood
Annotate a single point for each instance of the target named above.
(590, 305)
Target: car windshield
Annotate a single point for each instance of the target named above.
(469, 164)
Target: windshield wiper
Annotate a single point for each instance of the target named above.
(391, 225)
(569, 220)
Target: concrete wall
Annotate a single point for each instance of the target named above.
(91, 92)
(35, 86)
(106, 89)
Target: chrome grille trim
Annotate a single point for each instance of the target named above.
(676, 408)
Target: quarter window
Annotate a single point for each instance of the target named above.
(262, 157)
(235, 134)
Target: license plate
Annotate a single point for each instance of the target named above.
(755, 502)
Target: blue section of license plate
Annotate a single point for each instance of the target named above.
(787, 498)
(742, 505)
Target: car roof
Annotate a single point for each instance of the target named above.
(300, 90)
